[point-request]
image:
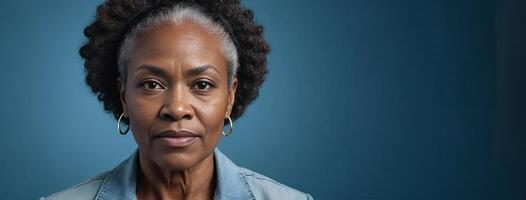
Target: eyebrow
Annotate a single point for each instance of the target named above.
(154, 70)
(199, 69)
(161, 72)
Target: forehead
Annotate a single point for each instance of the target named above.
(174, 46)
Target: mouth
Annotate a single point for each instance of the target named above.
(176, 138)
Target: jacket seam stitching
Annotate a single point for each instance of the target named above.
(101, 192)
(254, 175)
(268, 179)
(245, 181)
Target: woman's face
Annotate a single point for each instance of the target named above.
(176, 94)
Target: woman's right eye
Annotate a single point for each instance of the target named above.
(151, 85)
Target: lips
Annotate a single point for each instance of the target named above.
(176, 138)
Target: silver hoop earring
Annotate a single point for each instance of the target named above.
(119, 126)
(231, 128)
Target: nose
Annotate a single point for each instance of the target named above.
(177, 105)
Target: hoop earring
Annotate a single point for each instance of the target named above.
(231, 128)
(119, 126)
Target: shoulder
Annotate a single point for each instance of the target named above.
(85, 190)
(266, 188)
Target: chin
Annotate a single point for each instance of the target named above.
(179, 160)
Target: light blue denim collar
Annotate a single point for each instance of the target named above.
(121, 182)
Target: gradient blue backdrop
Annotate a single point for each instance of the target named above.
(365, 100)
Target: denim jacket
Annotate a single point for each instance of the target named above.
(233, 182)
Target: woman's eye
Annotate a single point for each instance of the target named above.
(203, 85)
(152, 85)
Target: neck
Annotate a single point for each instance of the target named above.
(198, 182)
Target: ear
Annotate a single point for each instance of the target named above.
(122, 92)
(231, 96)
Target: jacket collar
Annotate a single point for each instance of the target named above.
(121, 182)
(232, 182)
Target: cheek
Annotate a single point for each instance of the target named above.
(142, 114)
(211, 114)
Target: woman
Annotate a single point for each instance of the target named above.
(175, 73)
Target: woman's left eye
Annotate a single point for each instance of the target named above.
(203, 85)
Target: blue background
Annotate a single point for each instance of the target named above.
(365, 99)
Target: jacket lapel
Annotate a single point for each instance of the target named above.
(231, 180)
(121, 181)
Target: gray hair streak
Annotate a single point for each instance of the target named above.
(177, 15)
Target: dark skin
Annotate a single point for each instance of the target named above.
(177, 80)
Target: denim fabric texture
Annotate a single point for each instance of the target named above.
(234, 182)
